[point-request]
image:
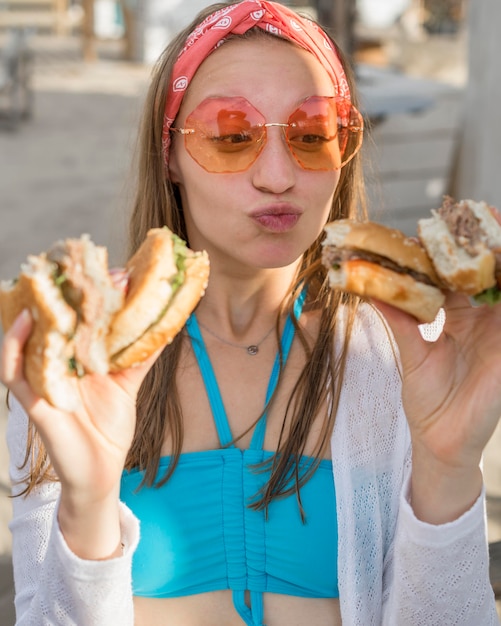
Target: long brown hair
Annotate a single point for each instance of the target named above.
(158, 408)
(159, 412)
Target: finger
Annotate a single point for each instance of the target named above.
(402, 322)
(495, 212)
(130, 379)
(462, 312)
(12, 364)
(405, 329)
(456, 301)
(120, 278)
(11, 356)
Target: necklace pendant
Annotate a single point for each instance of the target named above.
(252, 350)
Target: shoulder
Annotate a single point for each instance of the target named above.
(369, 337)
(370, 418)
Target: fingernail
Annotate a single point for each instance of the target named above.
(22, 318)
(475, 303)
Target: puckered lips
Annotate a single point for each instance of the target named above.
(278, 217)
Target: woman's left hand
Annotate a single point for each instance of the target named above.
(452, 397)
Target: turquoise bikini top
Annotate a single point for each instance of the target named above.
(198, 533)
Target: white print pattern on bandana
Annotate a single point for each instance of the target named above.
(223, 23)
(257, 15)
(180, 84)
(274, 30)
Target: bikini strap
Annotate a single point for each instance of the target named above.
(257, 440)
(210, 382)
(254, 615)
(212, 388)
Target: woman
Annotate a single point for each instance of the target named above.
(283, 466)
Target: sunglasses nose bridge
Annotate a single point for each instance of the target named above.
(282, 125)
(282, 138)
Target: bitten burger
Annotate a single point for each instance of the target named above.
(88, 319)
(464, 241)
(374, 261)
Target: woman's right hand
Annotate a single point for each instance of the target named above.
(87, 448)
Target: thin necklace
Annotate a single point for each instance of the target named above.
(252, 349)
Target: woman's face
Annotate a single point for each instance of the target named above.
(269, 214)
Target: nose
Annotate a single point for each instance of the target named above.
(275, 169)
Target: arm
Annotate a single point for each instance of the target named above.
(65, 535)
(53, 585)
(394, 568)
(439, 573)
(439, 562)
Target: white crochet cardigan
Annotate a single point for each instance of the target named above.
(393, 569)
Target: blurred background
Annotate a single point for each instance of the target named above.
(73, 75)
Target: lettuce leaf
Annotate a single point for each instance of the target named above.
(489, 296)
(180, 256)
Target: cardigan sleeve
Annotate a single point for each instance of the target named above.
(52, 585)
(393, 569)
(440, 574)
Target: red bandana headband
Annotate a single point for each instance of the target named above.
(238, 19)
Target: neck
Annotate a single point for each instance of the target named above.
(243, 311)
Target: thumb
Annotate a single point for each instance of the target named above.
(413, 348)
(130, 379)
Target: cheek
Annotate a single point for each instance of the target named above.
(207, 202)
(332, 182)
(320, 193)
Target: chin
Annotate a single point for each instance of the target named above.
(275, 259)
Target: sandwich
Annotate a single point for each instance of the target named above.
(374, 261)
(165, 283)
(464, 241)
(72, 300)
(90, 319)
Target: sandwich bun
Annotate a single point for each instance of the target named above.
(72, 299)
(464, 241)
(374, 261)
(84, 322)
(157, 305)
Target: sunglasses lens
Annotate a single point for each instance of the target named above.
(350, 129)
(228, 134)
(325, 133)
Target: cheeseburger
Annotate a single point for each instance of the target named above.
(374, 261)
